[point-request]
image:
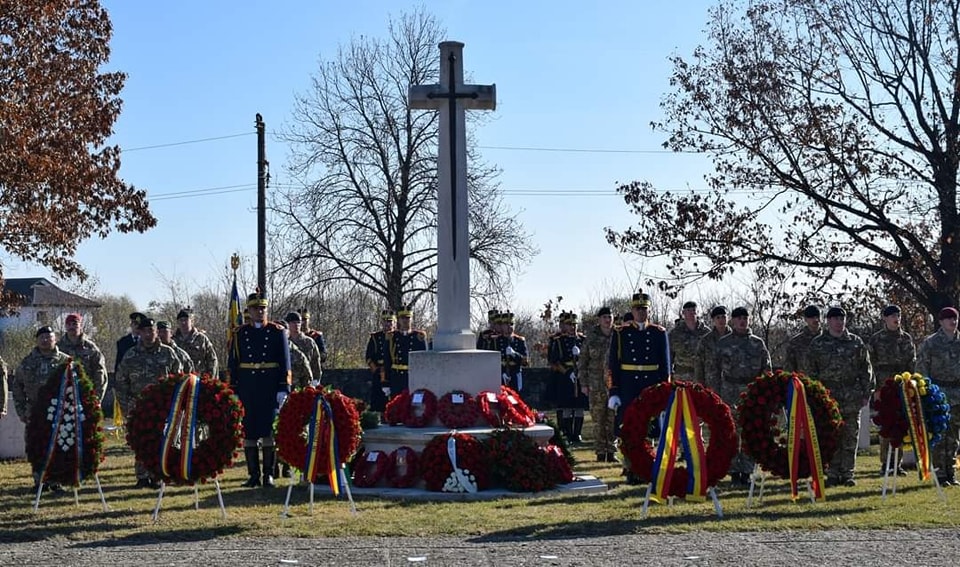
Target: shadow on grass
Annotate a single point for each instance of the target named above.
(158, 535)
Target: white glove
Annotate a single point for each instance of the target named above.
(575, 350)
(315, 383)
(614, 402)
(510, 351)
(386, 391)
(573, 376)
(281, 397)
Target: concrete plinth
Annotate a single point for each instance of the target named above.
(445, 371)
(387, 438)
(11, 434)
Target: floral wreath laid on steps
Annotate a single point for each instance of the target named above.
(438, 472)
(504, 409)
(370, 468)
(403, 470)
(458, 410)
(179, 411)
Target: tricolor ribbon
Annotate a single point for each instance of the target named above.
(802, 436)
(681, 432)
(322, 429)
(912, 405)
(67, 380)
(180, 429)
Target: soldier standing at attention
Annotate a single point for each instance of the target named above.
(75, 344)
(706, 356)
(593, 372)
(317, 337)
(684, 338)
(841, 361)
(400, 343)
(740, 357)
(198, 345)
(377, 360)
(127, 341)
(891, 353)
(487, 339)
(513, 353)
(307, 345)
(30, 376)
(260, 375)
(145, 363)
(569, 392)
(165, 335)
(799, 344)
(939, 359)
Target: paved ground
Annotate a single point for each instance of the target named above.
(792, 549)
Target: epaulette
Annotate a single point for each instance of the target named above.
(521, 337)
(274, 325)
(656, 326)
(420, 332)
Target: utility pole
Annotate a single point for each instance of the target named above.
(263, 175)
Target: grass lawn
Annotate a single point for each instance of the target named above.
(256, 512)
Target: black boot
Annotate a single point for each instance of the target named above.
(269, 461)
(252, 455)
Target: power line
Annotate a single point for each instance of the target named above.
(582, 150)
(186, 142)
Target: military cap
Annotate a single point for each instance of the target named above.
(572, 318)
(891, 310)
(603, 311)
(492, 315)
(146, 323)
(304, 313)
(506, 317)
(44, 330)
(387, 315)
(163, 325)
(405, 312)
(136, 316)
(73, 317)
(836, 311)
(690, 305)
(811, 312)
(740, 312)
(293, 316)
(256, 300)
(641, 300)
(718, 311)
(184, 313)
(564, 317)
(947, 313)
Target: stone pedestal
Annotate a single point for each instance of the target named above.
(11, 434)
(445, 371)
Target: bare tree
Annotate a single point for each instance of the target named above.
(364, 207)
(834, 126)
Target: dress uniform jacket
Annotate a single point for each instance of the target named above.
(376, 357)
(565, 376)
(638, 358)
(511, 366)
(259, 369)
(399, 347)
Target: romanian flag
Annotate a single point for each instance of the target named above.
(234, 317)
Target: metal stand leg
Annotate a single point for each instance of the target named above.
(156, 510)
(103, 501)
(716, 501)
(223, 510)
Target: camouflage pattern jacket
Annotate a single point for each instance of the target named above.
(90, 357)
(797, 350)
(141, 366)
(185, 361)
(705, 365)
(308, 346)
(939, 358)
(843, 365)
(683, 346)
(593, 358)
(33, 373)
(740, 357)
(891, 353)
(300, 368)
(200, 349)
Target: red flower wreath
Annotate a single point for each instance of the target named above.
(715, 414)
(404, 468)
(64, 466)
(436, 466)
(219, 414)
(557, 465)
(292, 429)
(517, 463)
(513, 410)
(490, 408)
(428, 404)
(759, 409)
(370, 469)
(465, 413)
(397, 408)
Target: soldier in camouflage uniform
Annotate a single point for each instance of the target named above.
(318, 338)
(75, 344)
(706, 354)
(684, 338)
(166, 337)
(308, 348)
(799, 344)
(891, 353)
(593, 371)
(197, 344)
(301, 373)
(740, 357)
(142, 365)
(939, 359)
(30, 376)
(841, 361)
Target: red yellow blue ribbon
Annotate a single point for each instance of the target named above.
(322, 428)
(681, 432)
(180, 427)
(802, 436)
(913, 411)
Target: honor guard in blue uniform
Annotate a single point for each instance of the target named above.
(639, 357)
(260, 375)
(513, 353)
(400, 343)
(377, 359)
(566, 390)
(487, 339)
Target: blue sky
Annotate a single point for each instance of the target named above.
(569, 75)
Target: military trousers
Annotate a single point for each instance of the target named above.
(944, 454)
(603, 421)
(730, 394)
(844, 461)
